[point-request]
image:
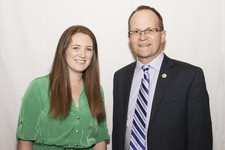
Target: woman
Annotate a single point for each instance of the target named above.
(65, 109)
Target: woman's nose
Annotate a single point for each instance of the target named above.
(82, 53)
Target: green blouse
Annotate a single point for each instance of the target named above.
(78, 131)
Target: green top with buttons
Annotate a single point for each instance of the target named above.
(78, 131)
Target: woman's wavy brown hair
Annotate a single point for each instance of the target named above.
(59, 88)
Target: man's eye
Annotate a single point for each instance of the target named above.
(137, 31)
(149, 31)
(76, 48)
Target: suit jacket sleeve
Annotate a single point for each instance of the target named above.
(198, 117)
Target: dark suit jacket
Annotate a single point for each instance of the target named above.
(180, 116)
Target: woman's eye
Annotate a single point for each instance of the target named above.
(89, 49)
(76, 48)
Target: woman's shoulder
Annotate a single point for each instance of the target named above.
(42, 80)
(37, 91)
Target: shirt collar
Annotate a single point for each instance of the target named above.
(155, 63)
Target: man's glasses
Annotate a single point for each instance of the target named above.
(148, 31)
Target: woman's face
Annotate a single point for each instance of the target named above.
(79, 53)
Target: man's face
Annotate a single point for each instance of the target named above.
(146, 45)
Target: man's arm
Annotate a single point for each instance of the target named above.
(199, 119)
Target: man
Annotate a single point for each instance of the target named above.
(176, 115)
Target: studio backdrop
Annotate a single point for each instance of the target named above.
(30, 30)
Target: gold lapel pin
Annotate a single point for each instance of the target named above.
(164, 75)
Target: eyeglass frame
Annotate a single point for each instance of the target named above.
(149, 31)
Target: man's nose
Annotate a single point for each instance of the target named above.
(143, 35)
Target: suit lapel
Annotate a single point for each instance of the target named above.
(127, 87)
(127, 82)
(162, 83)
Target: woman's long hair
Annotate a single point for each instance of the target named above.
(59, 88)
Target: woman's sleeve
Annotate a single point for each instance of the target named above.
(30, 111)
(103, 133)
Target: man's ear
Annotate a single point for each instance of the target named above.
(163, 37)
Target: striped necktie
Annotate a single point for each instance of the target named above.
(138, 130)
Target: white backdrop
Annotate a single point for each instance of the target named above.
(29, 32)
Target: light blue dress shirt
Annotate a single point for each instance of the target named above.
(155, 66)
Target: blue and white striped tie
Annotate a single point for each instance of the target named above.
(138, 130)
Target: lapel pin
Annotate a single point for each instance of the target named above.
(164, 75)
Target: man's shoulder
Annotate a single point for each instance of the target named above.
(130, 66)
(185, 65)
(180, 64)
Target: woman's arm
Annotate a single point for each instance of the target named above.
(100, 146)
(24, 145)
